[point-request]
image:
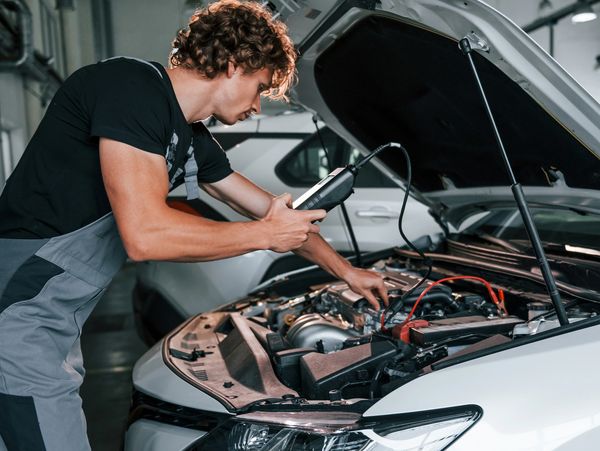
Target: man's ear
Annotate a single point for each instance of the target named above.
(231, 68)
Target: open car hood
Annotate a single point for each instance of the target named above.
(391, 70)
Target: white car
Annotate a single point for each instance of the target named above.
(282, 154)
(485, 354)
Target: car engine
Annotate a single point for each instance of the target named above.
(332, 339)
(332, 344)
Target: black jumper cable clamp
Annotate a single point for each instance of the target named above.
(466, 45)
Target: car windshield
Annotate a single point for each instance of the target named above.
(555, 226)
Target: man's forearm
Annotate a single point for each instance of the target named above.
(177, 236)
(241, 195)
(318, 251)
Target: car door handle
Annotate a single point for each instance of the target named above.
(388, 214)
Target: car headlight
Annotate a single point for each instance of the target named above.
(337, 431)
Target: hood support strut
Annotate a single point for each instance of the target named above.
(517, 189)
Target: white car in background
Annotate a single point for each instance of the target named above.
(282, 154)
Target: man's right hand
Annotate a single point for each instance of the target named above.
(287, 229)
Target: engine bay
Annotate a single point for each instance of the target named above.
(330, 344)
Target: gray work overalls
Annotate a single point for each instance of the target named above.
(48, 288)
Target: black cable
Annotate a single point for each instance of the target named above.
(393, 307)
(399, 301)
(402, 354)
(376, 377)
(352, 236)
(342, 205)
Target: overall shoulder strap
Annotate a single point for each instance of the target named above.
(148, 63)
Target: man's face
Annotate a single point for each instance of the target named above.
(241, 94)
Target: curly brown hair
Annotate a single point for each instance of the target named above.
(242, 32)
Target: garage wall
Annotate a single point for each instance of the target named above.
(147, 32)
(13, 123)
(63, 34)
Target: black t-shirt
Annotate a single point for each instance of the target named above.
(57, 186)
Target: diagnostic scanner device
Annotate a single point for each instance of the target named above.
(329, 192)
(336, 187)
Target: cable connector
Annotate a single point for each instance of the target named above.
(364, 160)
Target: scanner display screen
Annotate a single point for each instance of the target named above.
(316, 188)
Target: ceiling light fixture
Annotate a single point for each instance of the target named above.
(583, 13)
(545, 4)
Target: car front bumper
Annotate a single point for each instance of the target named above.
(148, 435)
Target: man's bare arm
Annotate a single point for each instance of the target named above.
(137, 186)
(241, 194)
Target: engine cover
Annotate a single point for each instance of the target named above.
(349, 370)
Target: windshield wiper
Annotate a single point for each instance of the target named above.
(563, 249)
(572, 250)
(507, 245)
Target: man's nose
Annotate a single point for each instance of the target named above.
(256, 105)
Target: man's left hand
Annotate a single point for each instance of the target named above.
(368, 284)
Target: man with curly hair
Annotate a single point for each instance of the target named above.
(91, 191)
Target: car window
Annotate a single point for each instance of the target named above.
(306, 164)
(369, 176)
